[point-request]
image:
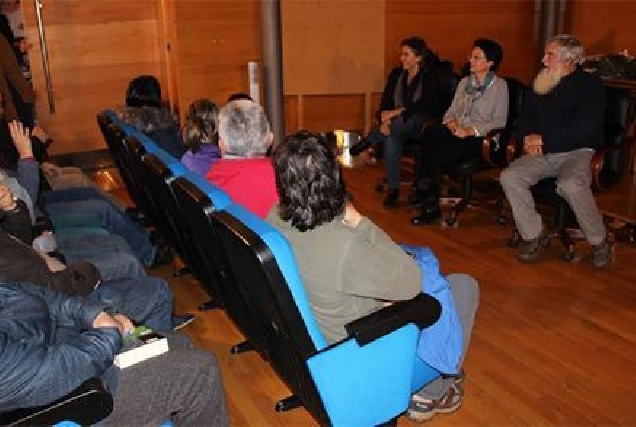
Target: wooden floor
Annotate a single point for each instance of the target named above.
(553, 344)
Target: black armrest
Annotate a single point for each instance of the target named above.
(86, 405)
(617, 157)
(423, 310)
(495, 142)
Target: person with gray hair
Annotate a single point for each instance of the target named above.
(561, 125)
(244, 171)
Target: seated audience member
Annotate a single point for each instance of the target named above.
(109, 253)
(69, 204)
(145, 111)
(53, 177)
(561, 124)
(146, 299)
(52, 343)
(480, 104)
(201, 136)
(244, 172)
(411, 97)
(349, 266)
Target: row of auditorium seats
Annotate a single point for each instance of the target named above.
(249, 270)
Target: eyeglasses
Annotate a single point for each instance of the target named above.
(476, 58)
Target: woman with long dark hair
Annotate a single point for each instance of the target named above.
(411, 96)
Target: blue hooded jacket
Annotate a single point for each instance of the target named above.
(48, 347)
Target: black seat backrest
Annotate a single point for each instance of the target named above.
(133, 152)
(619, 115)
(157, 178)
(198, 214)
(448, 81)
(516, 96)
(211, 266)
(123, 157)
(618, 130)
(258, 275)
(114, 138)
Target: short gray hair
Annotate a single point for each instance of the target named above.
(570, 48)
(244, 128)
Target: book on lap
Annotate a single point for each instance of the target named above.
(140, 345)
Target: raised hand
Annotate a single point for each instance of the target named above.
(21, 139)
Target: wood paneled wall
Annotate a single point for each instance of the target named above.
(95, 47)
(603, 26)
(213, 42)
(449, 28)
(336, 54)
(333, 56)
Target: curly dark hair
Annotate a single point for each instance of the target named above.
(308, 178)
(202, 125)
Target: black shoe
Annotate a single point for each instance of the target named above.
(391, 199)
(359, 147)
(416, 198)
(163, 255)
(428, 215)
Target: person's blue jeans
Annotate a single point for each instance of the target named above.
(112, 220)
(400, 131)
(72, 195)
(109, 253)
(147, 300)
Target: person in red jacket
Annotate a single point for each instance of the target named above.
(245, 172)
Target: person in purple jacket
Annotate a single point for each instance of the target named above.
(201, 136)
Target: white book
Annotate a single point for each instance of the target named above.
(141, 345)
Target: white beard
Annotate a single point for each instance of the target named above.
(546, 80)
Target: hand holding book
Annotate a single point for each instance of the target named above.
(140, 344)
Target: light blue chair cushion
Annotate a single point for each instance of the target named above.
(366, 385)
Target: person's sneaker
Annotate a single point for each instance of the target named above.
(459, 378)
(421, 409)
(391, 199)
(602, 254)
(181, 321)
(530, 250)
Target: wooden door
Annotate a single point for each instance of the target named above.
(94, 47)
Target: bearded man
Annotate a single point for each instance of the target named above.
(561, 125)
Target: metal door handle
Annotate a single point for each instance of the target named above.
(45, 55)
